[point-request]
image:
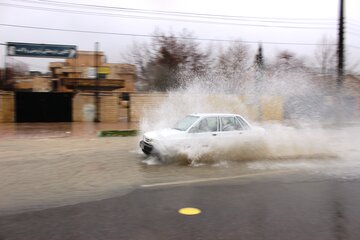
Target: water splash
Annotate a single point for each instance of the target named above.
(300, 135)
(343, 144)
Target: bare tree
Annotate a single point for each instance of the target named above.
(235, 58)
(139, 54)
(13, 69)
(287, 61)
(233, 63)
(325, 56)
(167, 54)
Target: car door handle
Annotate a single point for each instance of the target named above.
(214, 134)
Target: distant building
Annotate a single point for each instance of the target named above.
(79, 74)
(33, 84)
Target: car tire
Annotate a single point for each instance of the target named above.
(147, 153)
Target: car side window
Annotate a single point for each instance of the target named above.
(230, 124)
(244, 125)
(208, 124)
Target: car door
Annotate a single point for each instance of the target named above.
(204, 132)
(231, 129)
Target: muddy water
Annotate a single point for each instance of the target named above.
(37, 173)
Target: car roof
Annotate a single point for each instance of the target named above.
(214, 114)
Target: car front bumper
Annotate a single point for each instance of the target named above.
(146, 147)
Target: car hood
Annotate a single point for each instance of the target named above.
(163, 133)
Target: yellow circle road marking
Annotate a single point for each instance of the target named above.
(189, 211)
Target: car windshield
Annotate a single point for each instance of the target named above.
(185, 123)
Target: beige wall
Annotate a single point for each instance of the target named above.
(24, 84)
(41, 84)
(129, 82)
(111, 109)
(125, 72)
(86, 58)
(144, 102)
(36, 84)
(271, 108)
(7, 107)
(84, 107)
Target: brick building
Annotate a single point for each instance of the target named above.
(79, 74)
(85, 88)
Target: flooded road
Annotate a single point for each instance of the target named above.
(39, 173)
(42, 172)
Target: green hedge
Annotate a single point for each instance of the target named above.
(117, 133)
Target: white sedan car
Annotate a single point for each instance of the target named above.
(199, 132)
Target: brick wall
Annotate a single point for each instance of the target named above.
(41, 84)
(7, 107)
(114, 110)
(129, 82)
(84, 107)
(86, 58)
(111, 109)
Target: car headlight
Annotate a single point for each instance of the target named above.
(148, 140)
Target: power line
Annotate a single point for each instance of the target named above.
(354, 24)
(354, 34)
(154, 36)
(161, 18)
(320, 21)
(353, 46)
(172, 13)
(357, 22)
(353, 29)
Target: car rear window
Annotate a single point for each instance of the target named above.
(244, 125)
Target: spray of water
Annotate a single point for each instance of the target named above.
(299, 133)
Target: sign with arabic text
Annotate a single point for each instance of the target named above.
(40, 50)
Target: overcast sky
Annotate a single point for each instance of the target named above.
(116, 27)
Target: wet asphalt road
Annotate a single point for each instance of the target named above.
(279, 206)
(315, 198)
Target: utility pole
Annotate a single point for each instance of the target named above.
(259, 74)
(340, 65)
(340, 51)
(97, 97)
(3, 76)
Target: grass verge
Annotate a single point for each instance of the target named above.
(117, 133)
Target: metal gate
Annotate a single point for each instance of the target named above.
(43, 107)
